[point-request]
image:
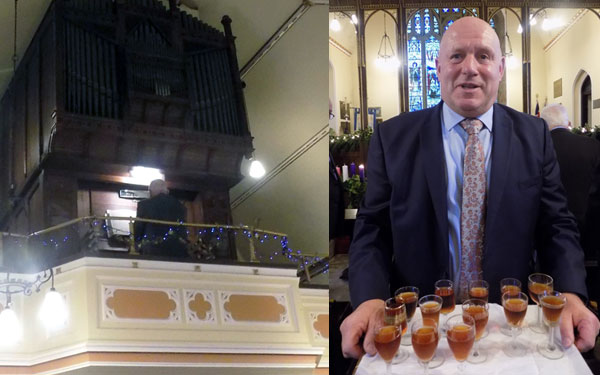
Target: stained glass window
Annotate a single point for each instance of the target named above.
(415, 90)
(432, 48)
(424, 35)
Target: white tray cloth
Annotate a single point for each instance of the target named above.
(497, 363)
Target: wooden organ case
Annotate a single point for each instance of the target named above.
(107, 85)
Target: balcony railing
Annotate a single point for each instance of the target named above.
(115, 236)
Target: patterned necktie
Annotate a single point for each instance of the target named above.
(472, 217)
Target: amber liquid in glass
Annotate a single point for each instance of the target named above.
(479, 293)
(480, 315)
(387, 341)
(410, 301)
(515, 310)
(552, 314)
(460, 340)
(431, 310)
(537, 288)
(447, 294)
(396, 318)
(424, 342)
(512, 290)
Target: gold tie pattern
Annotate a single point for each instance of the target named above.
(472, 217)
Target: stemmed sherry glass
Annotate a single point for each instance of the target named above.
(430, 306)
(445, 289)
(410, 296)
(515, 309)
(387, 340)
(424, 337)
(395, 314)
(537, 284)
(460, 336)
(478, 310)
(513, 287)
(552, 306)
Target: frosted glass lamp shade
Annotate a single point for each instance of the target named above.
(54, 313)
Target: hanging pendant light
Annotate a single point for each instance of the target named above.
(53, 313)
(386, 58)
(9, 325)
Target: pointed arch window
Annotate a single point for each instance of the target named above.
(424, 34)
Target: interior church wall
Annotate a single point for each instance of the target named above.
(576, 50)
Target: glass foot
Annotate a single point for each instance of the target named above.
(550, 353)
(401, 356)
(406, 339)
(477, 357)
(436, 361)
(505, 330)
(539, 328)
(515, 349)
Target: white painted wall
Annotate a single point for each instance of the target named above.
(514, 75)
(286, 97)
(382, 85)
(575, 51)
(344, 69)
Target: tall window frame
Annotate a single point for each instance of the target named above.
(424, 31)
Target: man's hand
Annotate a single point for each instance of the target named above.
(575, 314)
(358, 323)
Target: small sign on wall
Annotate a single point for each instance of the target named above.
(558, 88)
(596, 103)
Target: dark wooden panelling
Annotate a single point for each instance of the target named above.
(109, 200)
(20, 156)
(47, 83)
(33, 111)
(83, 203)
(36, 209)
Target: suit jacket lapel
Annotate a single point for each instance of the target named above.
(501, 148)
(435, 173)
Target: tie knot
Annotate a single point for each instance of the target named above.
(471, 125)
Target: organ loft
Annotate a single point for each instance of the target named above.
(106, 86)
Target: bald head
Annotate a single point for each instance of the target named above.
(555, 115)
(158, 187)
(470, 66)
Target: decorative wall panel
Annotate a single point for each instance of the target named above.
(140, 303)
(199, 306)
(239, 307)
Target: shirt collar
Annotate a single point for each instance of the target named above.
(451, 118)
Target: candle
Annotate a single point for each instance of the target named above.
(339, 171)
(344, 172)
(352, 169)
(361, 172)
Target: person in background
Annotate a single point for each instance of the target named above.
(161, 239)
(579, 160)
(423, 219)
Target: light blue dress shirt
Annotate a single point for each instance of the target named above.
(455, 139)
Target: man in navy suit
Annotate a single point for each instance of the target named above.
(161, 239)
(408, 229)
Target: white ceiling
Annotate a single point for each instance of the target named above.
(253, 24)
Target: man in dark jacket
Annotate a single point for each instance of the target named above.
(161, 239)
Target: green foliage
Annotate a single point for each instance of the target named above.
(349, 142)
(593, 131)
(355, 188)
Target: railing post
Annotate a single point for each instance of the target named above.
(252, 248)
(305, 268)
(132, 250)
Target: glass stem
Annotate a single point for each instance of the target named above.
(513, 334)
(426, 364)
(461, 367)
(476, 349)
(539, 316)
(388, 368)
(551, 346)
